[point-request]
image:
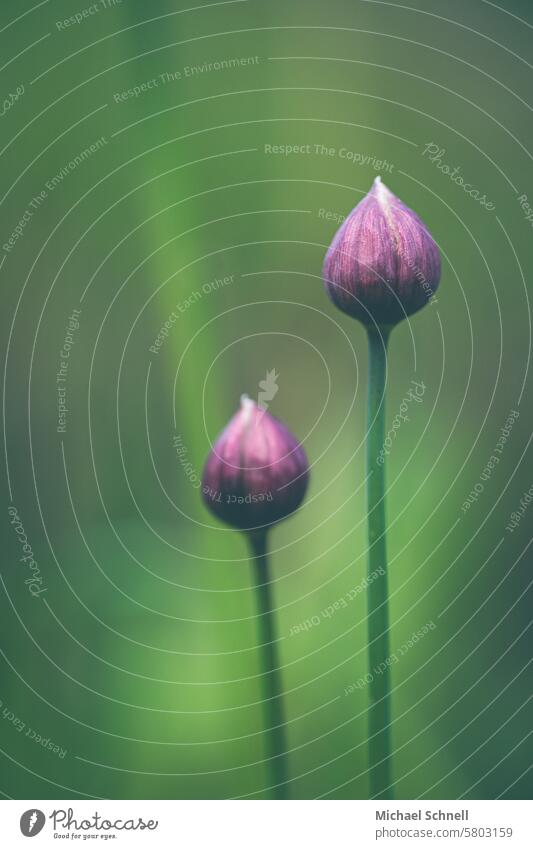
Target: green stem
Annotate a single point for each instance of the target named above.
(272, 690)
(379, 742)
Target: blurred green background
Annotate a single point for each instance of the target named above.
(139, 661)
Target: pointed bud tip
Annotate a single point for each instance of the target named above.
(380, 191)
(247, 405)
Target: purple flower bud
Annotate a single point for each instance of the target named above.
(257, 472)
(382, 265)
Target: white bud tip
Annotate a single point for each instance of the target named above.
(382, 193)
(247, 405)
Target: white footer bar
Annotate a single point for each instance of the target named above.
(267, 825)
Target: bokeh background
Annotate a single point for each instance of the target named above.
(138, 659)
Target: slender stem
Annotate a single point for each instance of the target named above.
(272, 689)
(379, 742)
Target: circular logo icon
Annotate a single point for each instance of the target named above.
(32, 822)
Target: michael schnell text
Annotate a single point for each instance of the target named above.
(394, 816)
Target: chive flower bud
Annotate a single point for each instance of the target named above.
(257, 471)
(383, 264)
